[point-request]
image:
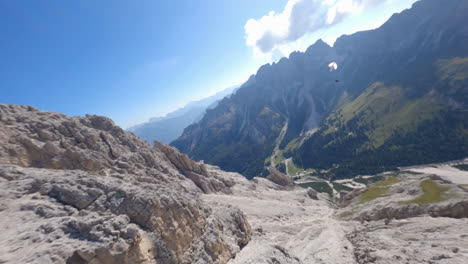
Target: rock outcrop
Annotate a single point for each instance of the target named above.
(405, 197)
(82, 190)
(453, 209)
(312, 193)
(347, 197)
(195, 171)
(279, 178)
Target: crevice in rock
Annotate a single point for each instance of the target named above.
(103, 138)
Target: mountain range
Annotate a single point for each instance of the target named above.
(170, 127)
(399, 97)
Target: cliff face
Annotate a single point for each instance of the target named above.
(410, 73)
(82, 190)
(241, 132)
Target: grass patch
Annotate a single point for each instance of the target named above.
(340, 187)
(379, 189)
(432, 193)
(379, 113)
(292, 168)
(278, 158)
(455, 69)
(463, 167)
(292, 145)
(369, 180)
(322, 187)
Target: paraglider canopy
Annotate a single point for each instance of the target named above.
(333, 66)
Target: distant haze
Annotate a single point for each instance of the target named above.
(169, 127)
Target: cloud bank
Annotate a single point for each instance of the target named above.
(299, 17)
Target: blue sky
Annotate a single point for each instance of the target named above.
(132, 60)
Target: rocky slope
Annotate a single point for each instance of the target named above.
(291, 227)
(82, 190)
(411, 195)
(399, 98)
(408, 218)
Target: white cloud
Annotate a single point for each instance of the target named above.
(272, 34)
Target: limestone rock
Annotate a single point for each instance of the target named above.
(312, 193)
(82, 190)
(414, 240)
(279, 178)
(196, 172)
(347, 197)
(406, 199)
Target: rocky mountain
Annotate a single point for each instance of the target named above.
(82, 190)
(170, 127)
(399, 97)
(242, 131)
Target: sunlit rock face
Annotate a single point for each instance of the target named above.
(82, 190)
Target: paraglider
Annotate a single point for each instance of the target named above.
(333, 66)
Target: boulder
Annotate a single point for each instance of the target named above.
(312, 193)
(280, 178)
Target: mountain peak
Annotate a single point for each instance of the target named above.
(317, 46)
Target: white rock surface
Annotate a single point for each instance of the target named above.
(289, 226)
(82, 190)
(446, 171)
(413, 241)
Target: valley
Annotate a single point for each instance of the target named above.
(393, 101)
